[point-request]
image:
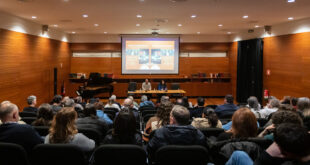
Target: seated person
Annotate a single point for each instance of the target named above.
(303, 103)
(162, 85)
(209, 120)
(92, 121)
(136, 105)
(45, 116)
(112, 104)
(197, 111)
(254, 106)
(161, 119)
(56, 103)
(64, 130)
(186, 103)
(227, 109)
(128, 103)
(244, 125)
(113, 98)
(272, 106)
(179, 132)
(124, 130)
(145, 102)
(278, 118)
(31, 101)
(12, 132)
(101, 115)
(146, 86)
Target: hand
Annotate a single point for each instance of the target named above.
(274, 151)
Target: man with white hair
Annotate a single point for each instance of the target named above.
(145, 102)
(12, 132)
(113, 98)
(32, 101)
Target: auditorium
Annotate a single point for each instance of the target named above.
(155, 82)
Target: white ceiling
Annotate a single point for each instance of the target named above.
(119, 16)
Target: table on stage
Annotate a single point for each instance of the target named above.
(180, 91)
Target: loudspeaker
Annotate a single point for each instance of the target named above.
(267, 29)
(44, 29)
(55, 81)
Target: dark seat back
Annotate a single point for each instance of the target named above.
(42, 130)
(27, 114)
(147, 108)
(132, 86)
(92, 134)
(111, 109)
(58, 154)
(119, 154)
(175, 86)
(110, 113)
(29, 120)
(212, 131)
(211, 106)
(262, 142)
(181, 155)
(262, 121)
(12, 154)
(147, 112)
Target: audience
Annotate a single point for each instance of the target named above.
(197, 111)
(286, 100)
(113, 98)
(294, 102)
(124, 130)
(209, 120)
(31, 101)
(161, 119)
(243, 125)
(254, 106)
(12, 132)
(128, 103)
(186, 103)
(45, 116)
(64, 130)
(145, 102)
(271, 107)
(303, 103)
(56, 103)
(91, 121)
(135, 104)
(68, 102)
(100, 113)
(227, 109)
(179, 132)
(112, 104)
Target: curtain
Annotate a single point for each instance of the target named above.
(250, 70)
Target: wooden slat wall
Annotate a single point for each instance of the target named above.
(27, 64)
(233, 54)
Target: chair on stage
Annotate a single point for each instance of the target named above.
(175, 86)
(132, 86)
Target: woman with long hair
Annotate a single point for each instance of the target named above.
(64, 130)
(45, 115)
(124, 130)
(244, 125)
(209, 120)
(161, 118)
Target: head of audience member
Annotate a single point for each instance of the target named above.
(274, 103)
(143, 98)
(90, 111)
(124, 125)
(210, 114)
(286, 100)
(113, 97)
(303, 103)
(229, 99)
(78, 99)
(253, 103)
(294, 101)
(68, 103)
(63, 126)
(164, 99)
(45, 115)
(163, 112)
(185, 102)
(57, 99)
(131, 98)
(244, 123)
(200, 102)
(8, 112)
(280, 117)
(146, 81)
(128, 103)
(179, 115)
(179, 101)
(32, 100)
(286, 107)
(293, 140)
(99, 106)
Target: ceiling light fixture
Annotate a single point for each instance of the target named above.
(85, 15)
(290, 1)
(228, 32)
(139, 16)
(193, 16)
(55, 25)
(245, 16)
(180, 25)
(256, 26)
(73, 32)
(220, 25)
(290, 18)
(33, 17)
(137, 24)
(105, 32)
(198, 32)
(96, 24)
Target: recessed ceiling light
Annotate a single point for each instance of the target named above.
(66, 0)
(198, 32)
(220, 25)
(245, 16)
(228, 32)
(85, 15)
(290, 18)
(96, 24)
(139, 16)
(33, 17)
(256, 26)
(137, 24)
(193, 16)
(290, 1)
(141, 0)
(73, 32)
(55, 25)
(179, 24)
(167, 32)
(105, 32)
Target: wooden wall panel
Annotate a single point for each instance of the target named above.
(27, 64)
(233, 54)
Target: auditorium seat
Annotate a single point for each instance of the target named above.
(147, 112)
(175, 86)
(208, 132)
(111, 109)
(181, 155)
(12, 154)
(147, 108)
(92, 134)
(119, 154)
(262, 121)
(211, 106)
(42, 130)
(29, 120)
(110, 113)
(58, 154)
(132, 86)
(27, 114)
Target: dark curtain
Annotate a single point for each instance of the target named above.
(250, 70)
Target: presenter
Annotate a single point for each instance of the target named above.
(162, 85)
(146, 86)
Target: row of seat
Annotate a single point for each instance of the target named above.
(65, 154)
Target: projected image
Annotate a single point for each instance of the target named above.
(143, 56)
(156, 56)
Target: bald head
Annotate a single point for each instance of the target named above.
(128, 103)
(8, 112)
